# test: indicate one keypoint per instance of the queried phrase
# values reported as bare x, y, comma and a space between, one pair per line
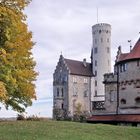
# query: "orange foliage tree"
17, 74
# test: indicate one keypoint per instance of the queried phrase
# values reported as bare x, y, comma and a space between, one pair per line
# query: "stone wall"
79, 89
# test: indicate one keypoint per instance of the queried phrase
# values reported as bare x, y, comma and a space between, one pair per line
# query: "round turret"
101, 56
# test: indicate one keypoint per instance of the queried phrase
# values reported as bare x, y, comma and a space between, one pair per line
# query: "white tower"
100, 57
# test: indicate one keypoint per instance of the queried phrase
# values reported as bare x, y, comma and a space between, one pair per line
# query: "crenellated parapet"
101, 28
110, 78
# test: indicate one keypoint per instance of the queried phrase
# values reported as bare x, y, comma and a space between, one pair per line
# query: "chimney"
84, 62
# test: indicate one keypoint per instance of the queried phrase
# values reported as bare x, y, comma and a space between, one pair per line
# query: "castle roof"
78, 68
134, 53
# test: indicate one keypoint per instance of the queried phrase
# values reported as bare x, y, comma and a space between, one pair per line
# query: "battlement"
110, 78
102, 24
101, 28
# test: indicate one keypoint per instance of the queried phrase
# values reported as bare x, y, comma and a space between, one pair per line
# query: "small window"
74, 80
75, 91
107, 39
95, 41
124, 67
138, 63
57, 92
95, 92
123, 101
62, 91
137, 100
95, 50
108, 50
95, 62
95, 83
95, 73
112, 97
121, 68
108, 62
85, 81
62, 106
85, 93
100, 31
101, 39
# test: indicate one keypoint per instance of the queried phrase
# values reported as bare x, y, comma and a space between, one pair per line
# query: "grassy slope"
51, 130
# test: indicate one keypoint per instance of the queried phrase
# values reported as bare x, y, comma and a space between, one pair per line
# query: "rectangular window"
57, 92
62, 92
75, 91
121, 68
95, 50
62, 106
101, 40
138, 63
85, 93
74, 80
108, 50
95, 62
95, 83
107, 39
85, 81
95, 92
108, 63
112, 97
124, 67
95, 41
95, 73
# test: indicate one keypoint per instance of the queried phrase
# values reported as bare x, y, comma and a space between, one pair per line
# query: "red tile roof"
78, 68
122, 56
117, 118
134, 54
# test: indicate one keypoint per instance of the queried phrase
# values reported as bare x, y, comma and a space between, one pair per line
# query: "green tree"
16, 61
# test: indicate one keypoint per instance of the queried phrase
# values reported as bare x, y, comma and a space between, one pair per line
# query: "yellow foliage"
3, 92
16, 62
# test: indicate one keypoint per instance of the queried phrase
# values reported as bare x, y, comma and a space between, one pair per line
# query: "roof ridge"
76, 60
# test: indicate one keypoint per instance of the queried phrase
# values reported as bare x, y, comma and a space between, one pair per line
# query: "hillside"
52, 130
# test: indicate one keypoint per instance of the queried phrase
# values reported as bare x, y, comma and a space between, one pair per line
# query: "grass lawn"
52, 130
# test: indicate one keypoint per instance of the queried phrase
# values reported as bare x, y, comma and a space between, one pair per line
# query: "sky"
64, 26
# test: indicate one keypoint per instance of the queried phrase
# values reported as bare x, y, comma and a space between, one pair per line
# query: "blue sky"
65, 26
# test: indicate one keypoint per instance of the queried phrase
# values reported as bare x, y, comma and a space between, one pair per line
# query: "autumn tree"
17, 75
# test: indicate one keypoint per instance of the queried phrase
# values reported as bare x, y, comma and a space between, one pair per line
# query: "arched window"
123, 101
137, 100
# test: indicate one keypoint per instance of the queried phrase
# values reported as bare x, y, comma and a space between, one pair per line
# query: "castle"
92, 85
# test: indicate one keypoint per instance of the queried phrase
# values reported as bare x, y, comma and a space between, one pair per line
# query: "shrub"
33, 118
21, 117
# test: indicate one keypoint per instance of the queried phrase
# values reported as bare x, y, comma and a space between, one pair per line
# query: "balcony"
98, 105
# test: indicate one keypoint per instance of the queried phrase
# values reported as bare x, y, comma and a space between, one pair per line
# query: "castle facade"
92, 85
